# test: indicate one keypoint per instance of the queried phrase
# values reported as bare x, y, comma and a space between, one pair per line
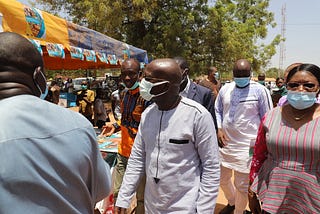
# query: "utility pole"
282, 43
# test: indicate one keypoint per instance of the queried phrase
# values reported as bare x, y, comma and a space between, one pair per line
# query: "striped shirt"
132, 106
285, 167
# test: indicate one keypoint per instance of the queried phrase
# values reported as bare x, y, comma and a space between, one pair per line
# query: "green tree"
216, 35
237, 27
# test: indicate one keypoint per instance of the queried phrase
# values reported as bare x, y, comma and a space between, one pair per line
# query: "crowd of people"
180, 141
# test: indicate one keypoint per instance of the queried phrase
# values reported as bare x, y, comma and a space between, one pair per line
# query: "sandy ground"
221, 202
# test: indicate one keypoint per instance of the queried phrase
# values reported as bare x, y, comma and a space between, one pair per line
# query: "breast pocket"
176, 141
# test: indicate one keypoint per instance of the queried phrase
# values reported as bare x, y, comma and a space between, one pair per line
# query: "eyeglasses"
131, 75
306, 86
154, 80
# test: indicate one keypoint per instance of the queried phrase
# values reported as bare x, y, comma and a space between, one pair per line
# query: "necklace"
297, 118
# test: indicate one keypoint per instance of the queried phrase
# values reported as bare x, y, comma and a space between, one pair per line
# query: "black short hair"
313, 69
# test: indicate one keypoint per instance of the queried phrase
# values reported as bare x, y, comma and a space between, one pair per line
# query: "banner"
65, 45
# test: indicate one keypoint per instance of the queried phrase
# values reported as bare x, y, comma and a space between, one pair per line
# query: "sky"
302, 31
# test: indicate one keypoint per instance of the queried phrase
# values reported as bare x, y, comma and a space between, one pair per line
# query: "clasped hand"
222, 138
254, 203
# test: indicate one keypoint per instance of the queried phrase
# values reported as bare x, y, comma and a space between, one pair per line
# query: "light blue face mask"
135, 85
242, 81
43, 95
301, 99
216, 75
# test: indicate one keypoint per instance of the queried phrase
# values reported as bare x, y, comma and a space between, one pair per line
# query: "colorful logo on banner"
90, 55
36, 26
126, 51
102, 57
76, 53
55, 50
37, 44
112, 59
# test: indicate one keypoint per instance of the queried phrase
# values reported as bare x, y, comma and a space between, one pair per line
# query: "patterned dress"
285, 169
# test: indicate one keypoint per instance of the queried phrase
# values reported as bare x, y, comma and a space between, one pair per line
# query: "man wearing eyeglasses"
132, 106
85, 100
240, 106
175, 147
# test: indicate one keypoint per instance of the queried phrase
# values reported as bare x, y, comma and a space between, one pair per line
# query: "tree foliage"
205, 35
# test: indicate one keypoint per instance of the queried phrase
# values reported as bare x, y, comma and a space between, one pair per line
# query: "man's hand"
222, 138
120, 210
108, 129
254, 203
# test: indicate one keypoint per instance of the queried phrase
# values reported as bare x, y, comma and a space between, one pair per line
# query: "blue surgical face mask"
301, 99
135, 85
43, 95
84, 87
241, 81
146, 86
216, 75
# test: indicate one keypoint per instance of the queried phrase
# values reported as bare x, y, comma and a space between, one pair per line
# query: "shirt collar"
186, 89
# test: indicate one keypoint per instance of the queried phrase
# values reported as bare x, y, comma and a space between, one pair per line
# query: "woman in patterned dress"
285, 169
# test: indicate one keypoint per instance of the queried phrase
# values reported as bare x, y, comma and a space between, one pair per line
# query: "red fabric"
260, 151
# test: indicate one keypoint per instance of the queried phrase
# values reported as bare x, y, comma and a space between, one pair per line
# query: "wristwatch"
116, 125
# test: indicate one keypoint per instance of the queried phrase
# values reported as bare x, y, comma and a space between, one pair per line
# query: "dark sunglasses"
129, 74
307, 86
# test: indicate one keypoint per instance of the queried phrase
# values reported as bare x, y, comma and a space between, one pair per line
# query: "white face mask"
146, 86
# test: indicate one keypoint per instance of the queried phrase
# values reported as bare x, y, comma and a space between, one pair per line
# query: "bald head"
242, 68
21, 67
182, 62
18, 53
132, 63
166, 69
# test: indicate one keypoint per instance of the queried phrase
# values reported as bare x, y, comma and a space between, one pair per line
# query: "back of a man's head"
21, 67
182, 62
18, 53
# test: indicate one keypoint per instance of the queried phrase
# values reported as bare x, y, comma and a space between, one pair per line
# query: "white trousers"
236, 193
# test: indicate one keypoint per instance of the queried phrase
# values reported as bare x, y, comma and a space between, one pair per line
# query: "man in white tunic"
176, 147
240, 107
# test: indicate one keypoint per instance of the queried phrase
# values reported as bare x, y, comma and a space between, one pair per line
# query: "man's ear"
186, 71
40, 79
